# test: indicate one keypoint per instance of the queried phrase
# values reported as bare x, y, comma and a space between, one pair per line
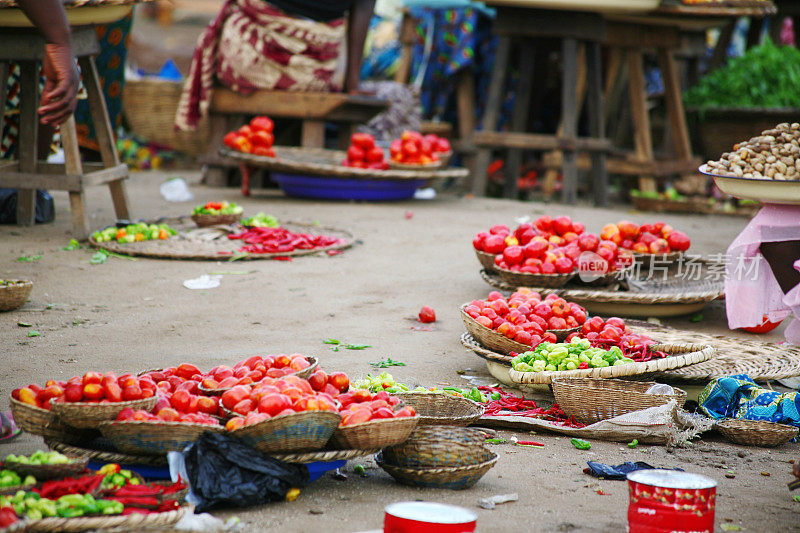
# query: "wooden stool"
228, 109
529, 27
26, 47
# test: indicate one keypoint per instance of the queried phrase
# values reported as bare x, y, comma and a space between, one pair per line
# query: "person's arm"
357, 26
60, 94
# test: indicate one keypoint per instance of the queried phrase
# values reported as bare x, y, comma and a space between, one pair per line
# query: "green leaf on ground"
28, 258
33, 333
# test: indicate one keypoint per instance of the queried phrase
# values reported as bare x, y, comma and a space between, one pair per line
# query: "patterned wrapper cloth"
253, 45
739, 397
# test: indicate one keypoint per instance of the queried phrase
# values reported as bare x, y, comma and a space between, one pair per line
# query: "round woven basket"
442, 409
20, 525
375, 433
38, 421
456, 478
608, 278
131, 522
657, 260
487, 260
490, 338
438, 446
422, 167
524, 279
153, 437
756, 432
298, 432
43, 472
590, 400
104, 456
90, 415
14, 295
323, 455
205, 220
445, 158
679, 355
305, 374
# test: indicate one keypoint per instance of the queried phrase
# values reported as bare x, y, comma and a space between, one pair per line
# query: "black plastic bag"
223, 470
618, 472
45, 209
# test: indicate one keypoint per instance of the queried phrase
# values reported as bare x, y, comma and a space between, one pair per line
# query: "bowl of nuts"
766, 168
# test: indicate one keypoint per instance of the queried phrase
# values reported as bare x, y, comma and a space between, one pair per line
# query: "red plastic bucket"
425, 517
667, 501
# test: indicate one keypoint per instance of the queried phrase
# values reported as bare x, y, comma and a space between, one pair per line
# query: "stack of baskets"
442, 409
440, 457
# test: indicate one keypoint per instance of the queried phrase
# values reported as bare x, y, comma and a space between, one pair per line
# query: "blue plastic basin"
326, 188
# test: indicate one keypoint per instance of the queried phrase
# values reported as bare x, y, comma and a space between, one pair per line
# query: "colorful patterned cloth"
253, 45
739, 397
449, 40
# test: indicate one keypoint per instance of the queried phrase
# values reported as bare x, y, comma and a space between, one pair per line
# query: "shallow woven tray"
523, 279
491, 339
13, 296
205, 220
756, 432
149, 437
657, 259
323, 455
129, 522
212, 244
35, 420
394, 165
442, 409
438, 446
468, 341
321, 162
486, 260
43, 472
105, 456
19, 525
375, 433
90, 415
590, 400
305, 374
684, 355
456, 478
298, 432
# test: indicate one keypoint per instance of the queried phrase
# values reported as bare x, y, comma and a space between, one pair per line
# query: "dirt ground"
134, 315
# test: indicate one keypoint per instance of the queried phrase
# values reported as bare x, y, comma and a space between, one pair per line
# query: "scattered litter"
409, 215
617, 472
337, 344
729, 475
697, 318
730, 527
601, 492
24, 324
101, 256
766, 474
359, 469
73, 245
387, 363
796, 497
316, 511
529, 443
428, 193
423, 328
205, 523
496, 441
203, 282
581, 444
33, 333
338, 474
28, 258
176, 190
497, 499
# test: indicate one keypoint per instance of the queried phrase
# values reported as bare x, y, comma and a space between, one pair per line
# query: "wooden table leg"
246, 171
594, 82
73, 165
465, 109
4, 69
640, 117
569, 118
491, 113
313, 134
105, 134
28, 142
519, 120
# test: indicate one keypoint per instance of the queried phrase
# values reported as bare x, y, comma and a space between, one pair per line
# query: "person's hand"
60, 95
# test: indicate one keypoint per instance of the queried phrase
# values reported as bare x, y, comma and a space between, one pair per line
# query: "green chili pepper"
581, 444
633, 443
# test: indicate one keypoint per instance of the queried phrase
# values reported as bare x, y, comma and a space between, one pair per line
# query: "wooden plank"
106, 175
491, 112
519, 118
633, 35
306, 105
631, 166
15, 180
596, 123
539, 142
28, 140
72, 165
569, 118
407, 36
523, 22
313, 135
27, 44
643, 140
465, 103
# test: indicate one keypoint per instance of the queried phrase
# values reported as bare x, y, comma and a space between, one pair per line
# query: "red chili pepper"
529, 443
136, 501
138, 490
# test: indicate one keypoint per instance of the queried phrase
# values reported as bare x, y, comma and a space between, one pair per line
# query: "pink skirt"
751, 290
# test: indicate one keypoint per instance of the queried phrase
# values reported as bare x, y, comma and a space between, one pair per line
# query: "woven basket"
660, 261
680, 355
306, 431
104, 456
153, 437
15, 295
375, 433
756, 432
43, 472
38, 421
442, 409
7, 491
131, 522
524, 279
593, 399
456, 478
203, 220
305, 374
89, 415
486, 260
415, 167
438, 446
149, 107
490, 338
324, 456
20, 525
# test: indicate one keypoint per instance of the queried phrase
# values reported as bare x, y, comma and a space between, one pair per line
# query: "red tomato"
263, 138
427, 315
765, 327
374, 155
262, 124
356, 153
246, 131
113, 392
365, 141
230, 139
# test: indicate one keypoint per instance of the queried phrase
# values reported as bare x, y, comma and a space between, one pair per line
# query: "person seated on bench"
292, 45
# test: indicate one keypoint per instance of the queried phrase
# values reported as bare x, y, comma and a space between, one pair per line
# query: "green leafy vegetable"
337, 344
22, 324
581, 444
73, 245
633, 444
33, 333
387, 363
28, 258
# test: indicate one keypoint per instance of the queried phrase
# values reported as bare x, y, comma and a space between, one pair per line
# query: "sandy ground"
131, 316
